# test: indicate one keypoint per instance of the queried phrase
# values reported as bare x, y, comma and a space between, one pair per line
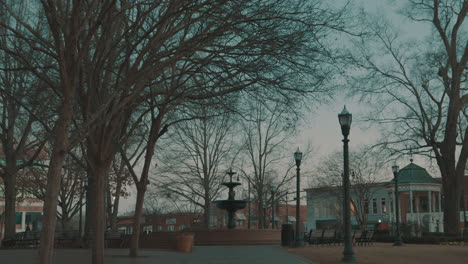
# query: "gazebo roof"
414, 174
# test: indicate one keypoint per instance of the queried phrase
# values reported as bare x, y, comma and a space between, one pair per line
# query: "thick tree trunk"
451, 206
260, 214
134, 245
10, 203
54, 178
98, 216
65, 222
90, 197
452, 187
207, 213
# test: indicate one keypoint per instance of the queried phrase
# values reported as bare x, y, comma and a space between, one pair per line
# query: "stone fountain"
231, 205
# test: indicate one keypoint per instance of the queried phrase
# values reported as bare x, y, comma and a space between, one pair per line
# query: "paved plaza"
200, 255
385, 253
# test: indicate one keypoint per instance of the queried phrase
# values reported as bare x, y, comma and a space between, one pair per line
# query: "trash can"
287, 235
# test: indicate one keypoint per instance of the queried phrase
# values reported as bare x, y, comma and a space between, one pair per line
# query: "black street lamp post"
248, 221
398, 241
345, 119
273, 190
298, 158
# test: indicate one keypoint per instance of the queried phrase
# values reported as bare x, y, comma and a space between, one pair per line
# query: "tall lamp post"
249, 222
298, 158
398, 241
345, 119
273, 190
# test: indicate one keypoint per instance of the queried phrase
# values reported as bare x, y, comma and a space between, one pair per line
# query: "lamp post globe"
298, 158
345, 118
398, 241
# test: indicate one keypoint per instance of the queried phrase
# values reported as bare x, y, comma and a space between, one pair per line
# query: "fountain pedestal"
231, 205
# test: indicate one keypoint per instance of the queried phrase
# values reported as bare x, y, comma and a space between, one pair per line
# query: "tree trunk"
207, 213
260, 214
90, 197
134, 245
452, 186
65, 222
10, 203
451, 206
98, 215
59, 151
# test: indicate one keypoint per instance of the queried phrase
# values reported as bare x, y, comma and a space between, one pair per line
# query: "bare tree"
266, 131
21, 103
73, 174
106, 58
194, 161
118, 182
421, 91
366, 167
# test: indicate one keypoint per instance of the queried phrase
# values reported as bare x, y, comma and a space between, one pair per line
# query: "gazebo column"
411, 201
411, 205
440, 203
429, 193
430, 211
416, 203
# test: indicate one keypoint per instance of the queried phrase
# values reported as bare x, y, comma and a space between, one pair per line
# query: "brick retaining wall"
167, 240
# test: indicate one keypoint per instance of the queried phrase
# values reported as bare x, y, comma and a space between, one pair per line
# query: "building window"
147, 229
170, 221
213, 220
181, 227
366, 206
239, 223
170, 228
129, 230
316, 209
18, 217
383, 206
159, 228
374, 206
332, 208
324, 208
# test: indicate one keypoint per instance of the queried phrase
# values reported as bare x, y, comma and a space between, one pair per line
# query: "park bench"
116, 236
338, 239
315, 237
358, 236
368, 238
22, 240
328, 237
67, 238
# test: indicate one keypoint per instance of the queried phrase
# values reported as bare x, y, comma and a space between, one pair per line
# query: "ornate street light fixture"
345, 119
298, 158
398, 241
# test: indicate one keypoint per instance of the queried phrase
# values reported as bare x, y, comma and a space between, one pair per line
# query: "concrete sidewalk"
200, 255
